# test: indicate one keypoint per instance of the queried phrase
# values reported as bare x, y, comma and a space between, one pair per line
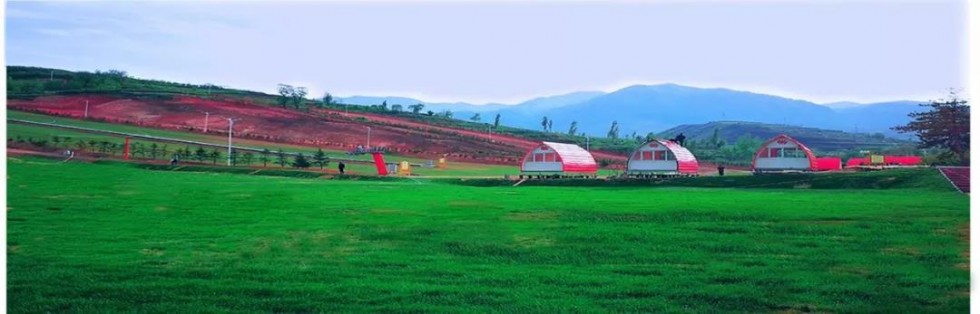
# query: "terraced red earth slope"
958, 176
321, 128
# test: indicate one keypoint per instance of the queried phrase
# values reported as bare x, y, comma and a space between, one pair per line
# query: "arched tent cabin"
783, 153
661, 157
558, 159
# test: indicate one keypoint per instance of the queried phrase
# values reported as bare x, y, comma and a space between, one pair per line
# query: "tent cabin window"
653, 155
782, 153
793, 153
774, 152
543, 157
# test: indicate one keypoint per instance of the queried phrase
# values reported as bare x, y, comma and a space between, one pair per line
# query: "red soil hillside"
321, 128
524, 144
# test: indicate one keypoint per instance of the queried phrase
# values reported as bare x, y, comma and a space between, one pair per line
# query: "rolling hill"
819, 139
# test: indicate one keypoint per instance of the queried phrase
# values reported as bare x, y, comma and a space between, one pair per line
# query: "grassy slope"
211, 139
37, 132
116, 238
820, 139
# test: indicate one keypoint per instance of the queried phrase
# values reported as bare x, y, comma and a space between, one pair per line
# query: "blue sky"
508, 52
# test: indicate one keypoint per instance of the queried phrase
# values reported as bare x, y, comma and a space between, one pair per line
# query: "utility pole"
586, 143
489, 134
86, 110
206, 114
230, 124
369, 138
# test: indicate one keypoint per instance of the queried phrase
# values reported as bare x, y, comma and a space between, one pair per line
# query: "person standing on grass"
341, 166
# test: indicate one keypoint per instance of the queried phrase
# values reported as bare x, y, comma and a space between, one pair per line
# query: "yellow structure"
404, 169
877, 159
441, 164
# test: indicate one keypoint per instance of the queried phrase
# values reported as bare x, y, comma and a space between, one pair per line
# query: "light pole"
586, 143
369, 138
206, 114
489, 135
86, 110
230, 124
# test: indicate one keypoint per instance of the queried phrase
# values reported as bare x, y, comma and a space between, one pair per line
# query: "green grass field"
113, 238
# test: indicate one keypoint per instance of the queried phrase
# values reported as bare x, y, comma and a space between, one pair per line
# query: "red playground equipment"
379, 163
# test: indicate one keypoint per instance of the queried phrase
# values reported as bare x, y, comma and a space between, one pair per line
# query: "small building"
558, 159
661, 157
880, 160
828, 163
783, 153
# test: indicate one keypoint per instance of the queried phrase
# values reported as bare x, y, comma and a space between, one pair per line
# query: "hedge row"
886, 179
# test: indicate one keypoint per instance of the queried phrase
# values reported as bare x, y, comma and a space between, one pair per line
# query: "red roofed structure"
558, 158
661, 157
783, 153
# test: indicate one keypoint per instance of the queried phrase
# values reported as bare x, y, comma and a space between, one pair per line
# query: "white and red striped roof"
686, 162
783, 139
572, 157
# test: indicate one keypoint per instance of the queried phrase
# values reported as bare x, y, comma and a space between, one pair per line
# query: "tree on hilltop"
946, 125
416, 108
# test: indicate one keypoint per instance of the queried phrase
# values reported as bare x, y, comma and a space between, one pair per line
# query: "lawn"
111, 238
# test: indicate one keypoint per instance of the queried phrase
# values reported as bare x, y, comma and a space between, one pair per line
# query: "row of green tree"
155, 151
27, 82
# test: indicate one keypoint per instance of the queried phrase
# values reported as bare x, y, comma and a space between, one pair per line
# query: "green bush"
886, 179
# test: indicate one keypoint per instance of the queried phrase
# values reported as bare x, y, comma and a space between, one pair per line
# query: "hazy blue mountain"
528, 114
842, 104
458, 108
878, 117
542, 104
654, 108
371, 100
643, 108
521, 114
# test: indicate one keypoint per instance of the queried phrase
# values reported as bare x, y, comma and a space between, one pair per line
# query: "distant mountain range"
655, 108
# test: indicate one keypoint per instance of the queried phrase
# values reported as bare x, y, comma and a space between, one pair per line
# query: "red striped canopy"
572, 157
686, 163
